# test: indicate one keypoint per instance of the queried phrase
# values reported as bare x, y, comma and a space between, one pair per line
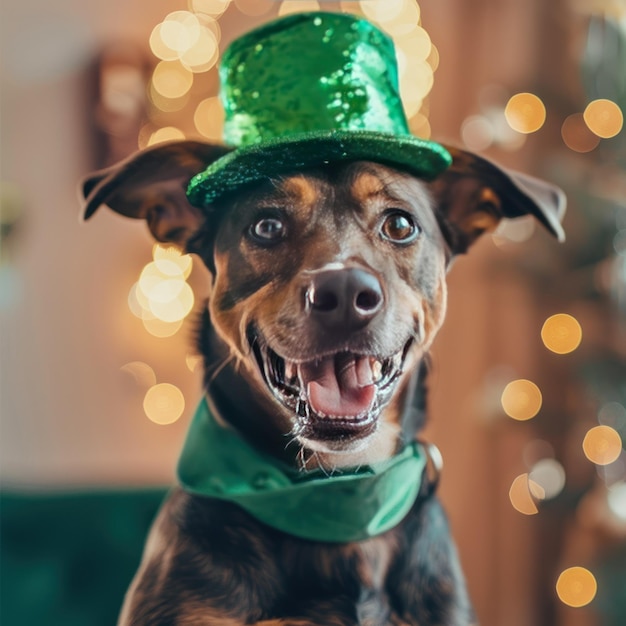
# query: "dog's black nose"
348, 298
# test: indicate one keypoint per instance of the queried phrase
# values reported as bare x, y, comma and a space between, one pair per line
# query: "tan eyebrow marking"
303, 189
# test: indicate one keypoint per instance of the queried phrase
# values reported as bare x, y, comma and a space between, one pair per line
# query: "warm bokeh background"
526, 502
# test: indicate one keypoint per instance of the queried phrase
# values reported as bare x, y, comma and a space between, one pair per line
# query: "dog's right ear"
151, 185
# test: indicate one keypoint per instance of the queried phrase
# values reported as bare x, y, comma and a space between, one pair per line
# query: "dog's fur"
209, 562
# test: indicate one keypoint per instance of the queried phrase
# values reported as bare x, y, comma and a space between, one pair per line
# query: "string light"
561, 333
164, 403
602, 445
576, 586
604, 118
521, 399
525, 113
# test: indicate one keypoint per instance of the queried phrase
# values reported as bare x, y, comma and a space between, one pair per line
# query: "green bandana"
347, 506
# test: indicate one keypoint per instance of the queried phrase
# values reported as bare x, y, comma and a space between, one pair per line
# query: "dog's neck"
257, 419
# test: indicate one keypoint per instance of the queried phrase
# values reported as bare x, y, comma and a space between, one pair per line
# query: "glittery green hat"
310, 89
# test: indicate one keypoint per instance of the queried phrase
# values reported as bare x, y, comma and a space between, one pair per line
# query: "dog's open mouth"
334, 396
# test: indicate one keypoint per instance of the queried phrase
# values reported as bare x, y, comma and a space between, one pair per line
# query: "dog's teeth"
291, 370
377, 368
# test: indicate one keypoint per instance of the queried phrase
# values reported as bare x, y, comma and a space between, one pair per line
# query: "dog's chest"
365, 564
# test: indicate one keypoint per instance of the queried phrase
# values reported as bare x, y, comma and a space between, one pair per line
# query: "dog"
327, 288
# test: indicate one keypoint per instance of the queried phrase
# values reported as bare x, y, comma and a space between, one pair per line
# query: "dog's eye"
399, 227
268, 230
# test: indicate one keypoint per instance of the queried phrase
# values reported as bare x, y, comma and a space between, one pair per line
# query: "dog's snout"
347, 298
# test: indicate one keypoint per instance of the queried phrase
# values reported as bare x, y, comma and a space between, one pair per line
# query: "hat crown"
310, 72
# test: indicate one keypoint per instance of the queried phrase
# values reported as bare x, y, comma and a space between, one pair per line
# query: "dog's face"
328, 286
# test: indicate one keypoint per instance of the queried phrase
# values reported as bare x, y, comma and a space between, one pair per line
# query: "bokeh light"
193, 362
576, 586
612, 414
433, 57
158, 46
406, 22
576, 134
255, 7
161, 298
185, 38
616, 499
180, 30
523, 495
297, 6
604, 118
214, 8
171, 261
477, 133
549, 474
602, 445
176, 308
382, 11
161, 329
561, 333
141, 372
209, 118
537, 450
513, 231
521, 399
166, 105
203, 54
525, 113
171, 79
167, 133
420, 126
164, 403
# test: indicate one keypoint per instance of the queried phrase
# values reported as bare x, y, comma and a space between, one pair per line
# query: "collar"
349, 505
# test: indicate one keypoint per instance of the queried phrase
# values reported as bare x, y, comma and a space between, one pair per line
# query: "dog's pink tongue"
339, 386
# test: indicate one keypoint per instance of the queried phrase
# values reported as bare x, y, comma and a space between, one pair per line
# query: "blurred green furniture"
67, 558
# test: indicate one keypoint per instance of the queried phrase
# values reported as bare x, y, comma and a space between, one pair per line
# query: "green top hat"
310, 89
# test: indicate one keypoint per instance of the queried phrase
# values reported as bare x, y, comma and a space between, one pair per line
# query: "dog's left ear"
151, 185
473, 195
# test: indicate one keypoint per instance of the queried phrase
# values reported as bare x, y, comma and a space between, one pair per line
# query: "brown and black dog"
327, 289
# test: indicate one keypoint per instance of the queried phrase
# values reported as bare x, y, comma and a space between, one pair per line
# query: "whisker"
210, 379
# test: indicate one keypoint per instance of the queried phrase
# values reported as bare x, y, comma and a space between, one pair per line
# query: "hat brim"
243, 166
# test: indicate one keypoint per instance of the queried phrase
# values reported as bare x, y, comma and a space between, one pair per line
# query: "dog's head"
328, 285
